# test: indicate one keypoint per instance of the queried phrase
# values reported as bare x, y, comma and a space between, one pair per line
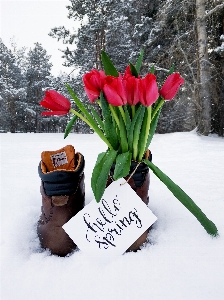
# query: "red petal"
92, 95
148, 90
49, 103
111, 95
57, 100
171, 86
92, 84
54, 113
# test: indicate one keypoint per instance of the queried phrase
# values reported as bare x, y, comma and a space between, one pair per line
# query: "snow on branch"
212, 11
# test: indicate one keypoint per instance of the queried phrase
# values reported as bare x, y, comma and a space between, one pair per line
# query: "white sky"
30, 21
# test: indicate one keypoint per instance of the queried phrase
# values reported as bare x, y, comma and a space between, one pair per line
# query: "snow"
220, 49
180, 261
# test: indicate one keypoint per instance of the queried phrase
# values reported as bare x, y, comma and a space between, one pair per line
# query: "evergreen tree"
38, 80
11, 90
104, 25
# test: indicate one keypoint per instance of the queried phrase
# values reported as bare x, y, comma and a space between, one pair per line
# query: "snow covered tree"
104, 25
169, 36
170, 32
38, 80
163, 31
215, 30
11, 90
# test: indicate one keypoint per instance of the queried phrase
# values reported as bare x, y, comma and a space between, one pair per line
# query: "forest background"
186, 34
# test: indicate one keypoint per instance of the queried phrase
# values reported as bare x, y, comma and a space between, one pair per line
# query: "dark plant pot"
139, 182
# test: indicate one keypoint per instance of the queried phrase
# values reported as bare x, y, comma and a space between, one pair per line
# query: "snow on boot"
63, 196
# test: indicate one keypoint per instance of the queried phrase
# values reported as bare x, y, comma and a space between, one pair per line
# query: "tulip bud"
148, 90
55, 102
171, 86
93, 84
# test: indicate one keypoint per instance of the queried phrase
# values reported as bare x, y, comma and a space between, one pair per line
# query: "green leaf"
89, 119
109, 128
152, 69
131, 131
79, 104
101, 171
153, 128
96, 116
171, 70
142, 136
133, 70
137, 129
122, 166
70, 125
123, 134
109, 68
208, 225
128, 118
139, 61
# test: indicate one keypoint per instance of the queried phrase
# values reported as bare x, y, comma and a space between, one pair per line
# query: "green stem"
133, 111
114, 115
122, 113
137, 130
146, 133
98, 102
160, 103
123, 135
95, 128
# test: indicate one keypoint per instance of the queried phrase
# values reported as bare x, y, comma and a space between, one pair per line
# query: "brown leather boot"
63, 196
139, 182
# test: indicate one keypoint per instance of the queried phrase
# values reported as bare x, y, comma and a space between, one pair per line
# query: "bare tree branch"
212, 11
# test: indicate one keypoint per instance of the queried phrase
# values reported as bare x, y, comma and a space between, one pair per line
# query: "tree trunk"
204, 119
221, 128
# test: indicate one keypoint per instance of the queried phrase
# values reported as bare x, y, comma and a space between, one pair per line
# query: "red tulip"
131, 84
55, 102
148, 90
171, 86
114, 91
93, 84
127, 72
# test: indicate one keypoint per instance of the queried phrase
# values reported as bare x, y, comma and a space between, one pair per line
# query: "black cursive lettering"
107, 208
106, 227
132, 214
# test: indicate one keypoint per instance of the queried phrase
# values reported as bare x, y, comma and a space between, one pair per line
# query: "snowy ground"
181, 261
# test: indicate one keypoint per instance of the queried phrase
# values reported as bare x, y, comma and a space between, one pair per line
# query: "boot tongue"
62, 159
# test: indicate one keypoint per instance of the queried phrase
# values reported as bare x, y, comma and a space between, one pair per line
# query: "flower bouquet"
125, 119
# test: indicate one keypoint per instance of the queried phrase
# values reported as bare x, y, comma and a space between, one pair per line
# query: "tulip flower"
171, 86
127, 72
93, 84
130, 84
55, 102
114, 91
148, 90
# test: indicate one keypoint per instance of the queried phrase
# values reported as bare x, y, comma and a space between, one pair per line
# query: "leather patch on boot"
59, 200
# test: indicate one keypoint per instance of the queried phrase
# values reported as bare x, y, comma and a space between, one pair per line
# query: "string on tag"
131, 174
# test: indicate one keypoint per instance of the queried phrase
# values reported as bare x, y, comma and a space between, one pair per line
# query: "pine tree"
11, 89
38, 80
105, 24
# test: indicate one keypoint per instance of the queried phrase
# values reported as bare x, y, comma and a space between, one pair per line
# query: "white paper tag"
110, 227
59, 159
